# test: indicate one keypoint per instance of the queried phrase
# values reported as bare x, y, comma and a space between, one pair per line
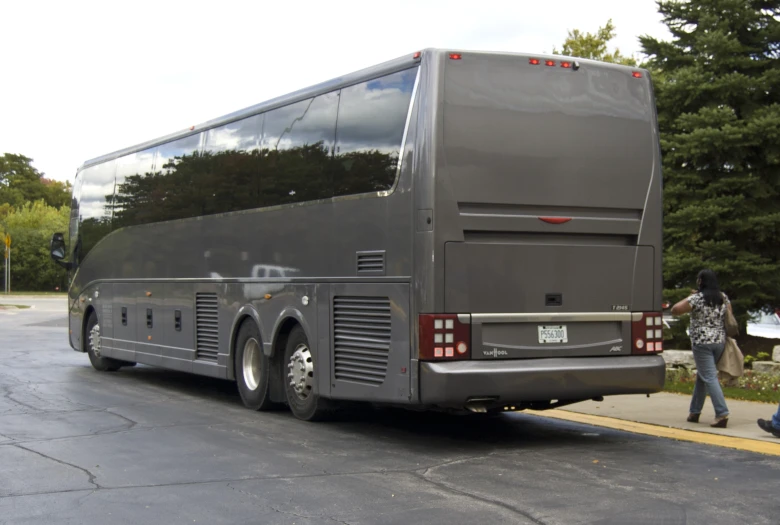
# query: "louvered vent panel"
361, 339
207, 326
371, 262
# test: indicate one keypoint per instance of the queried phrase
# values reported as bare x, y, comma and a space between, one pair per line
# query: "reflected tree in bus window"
297, 147
232, 156
134, 178
371, 122
94, 207
178, 181
162, 184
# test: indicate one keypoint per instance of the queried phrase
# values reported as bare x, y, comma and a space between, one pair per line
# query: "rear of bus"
547, 231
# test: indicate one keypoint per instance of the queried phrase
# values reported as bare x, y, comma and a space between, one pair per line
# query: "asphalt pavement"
152, 446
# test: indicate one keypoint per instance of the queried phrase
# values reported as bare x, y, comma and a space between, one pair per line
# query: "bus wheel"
252, 368
299, 379
93, 344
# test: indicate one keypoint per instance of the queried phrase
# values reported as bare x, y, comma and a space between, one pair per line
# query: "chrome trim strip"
403, 139
572, 317
553, 348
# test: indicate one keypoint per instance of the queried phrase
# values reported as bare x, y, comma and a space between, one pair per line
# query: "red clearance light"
455, 56
555, 220
417, 55
565, 64
636, 74
549, 63
533, 61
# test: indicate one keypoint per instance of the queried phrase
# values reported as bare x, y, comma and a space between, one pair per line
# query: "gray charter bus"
449, 230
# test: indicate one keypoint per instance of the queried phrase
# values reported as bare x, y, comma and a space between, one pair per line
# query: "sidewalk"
670, 410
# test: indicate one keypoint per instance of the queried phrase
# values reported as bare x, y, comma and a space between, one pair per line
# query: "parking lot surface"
146, 445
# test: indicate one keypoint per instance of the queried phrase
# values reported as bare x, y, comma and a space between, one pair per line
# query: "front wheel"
93, 345
299, 376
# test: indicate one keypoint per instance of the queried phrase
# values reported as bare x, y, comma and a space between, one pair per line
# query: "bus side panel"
370, 342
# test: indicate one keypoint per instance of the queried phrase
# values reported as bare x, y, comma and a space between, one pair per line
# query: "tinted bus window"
371, 122
95, 206
73, 229
179, 184
297, 151
134, 177
231, 160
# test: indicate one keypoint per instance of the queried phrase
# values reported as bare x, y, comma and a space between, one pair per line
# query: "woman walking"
707, 307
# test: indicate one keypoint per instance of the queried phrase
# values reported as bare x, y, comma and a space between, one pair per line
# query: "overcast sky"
80, 79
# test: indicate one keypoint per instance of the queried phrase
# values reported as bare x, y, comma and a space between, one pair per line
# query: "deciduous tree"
594, 46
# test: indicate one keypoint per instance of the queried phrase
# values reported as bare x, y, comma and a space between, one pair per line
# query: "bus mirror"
57, 246
57, 250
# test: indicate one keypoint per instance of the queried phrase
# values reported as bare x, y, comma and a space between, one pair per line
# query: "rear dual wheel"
252, 368
253, 374
300, 379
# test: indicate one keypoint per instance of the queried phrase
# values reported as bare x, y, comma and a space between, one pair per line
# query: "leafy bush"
31, 227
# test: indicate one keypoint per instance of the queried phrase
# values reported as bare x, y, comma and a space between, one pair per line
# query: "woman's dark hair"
708, 286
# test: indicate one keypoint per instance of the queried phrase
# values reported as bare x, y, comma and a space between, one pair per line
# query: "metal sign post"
7, 264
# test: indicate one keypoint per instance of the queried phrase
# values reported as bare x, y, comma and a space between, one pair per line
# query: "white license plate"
553, 334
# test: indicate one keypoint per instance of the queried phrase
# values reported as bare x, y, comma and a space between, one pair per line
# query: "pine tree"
717, 88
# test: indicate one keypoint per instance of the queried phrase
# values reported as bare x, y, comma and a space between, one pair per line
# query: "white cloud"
82, 79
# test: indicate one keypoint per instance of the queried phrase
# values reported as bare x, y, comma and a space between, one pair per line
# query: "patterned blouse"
707, 322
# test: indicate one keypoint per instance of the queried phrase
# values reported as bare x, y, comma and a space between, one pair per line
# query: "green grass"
15, 305
53, 294
753, 387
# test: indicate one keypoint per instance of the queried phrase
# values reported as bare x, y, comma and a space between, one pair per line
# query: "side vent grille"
371, 262
207, 326
361, 339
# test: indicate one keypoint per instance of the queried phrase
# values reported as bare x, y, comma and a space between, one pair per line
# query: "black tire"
252, 386
306, 405
102, 364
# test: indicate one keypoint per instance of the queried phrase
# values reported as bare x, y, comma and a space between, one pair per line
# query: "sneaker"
767, 426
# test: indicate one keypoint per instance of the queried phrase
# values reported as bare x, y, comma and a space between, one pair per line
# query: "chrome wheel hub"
301, 373
94, 340
251, 364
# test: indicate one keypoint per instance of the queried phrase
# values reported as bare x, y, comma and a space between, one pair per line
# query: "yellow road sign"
7, 241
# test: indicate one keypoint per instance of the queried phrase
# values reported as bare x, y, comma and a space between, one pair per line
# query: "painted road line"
749, 445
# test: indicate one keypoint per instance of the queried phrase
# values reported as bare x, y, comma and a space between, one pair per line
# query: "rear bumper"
516, 381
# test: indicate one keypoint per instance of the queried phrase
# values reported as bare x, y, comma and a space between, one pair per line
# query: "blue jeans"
776, 419
706, 357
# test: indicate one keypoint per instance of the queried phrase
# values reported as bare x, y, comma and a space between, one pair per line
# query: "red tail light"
443, 337
549, 63
455, 56
647, 334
